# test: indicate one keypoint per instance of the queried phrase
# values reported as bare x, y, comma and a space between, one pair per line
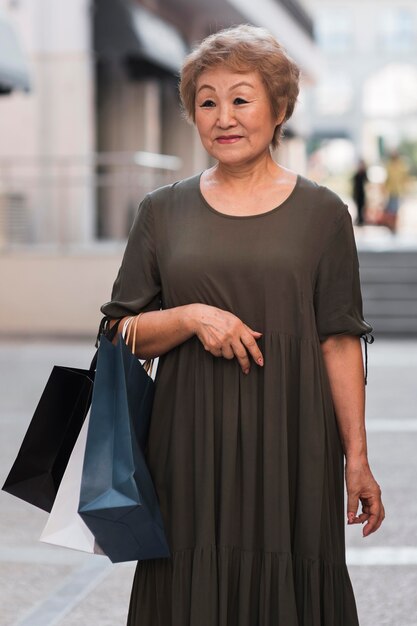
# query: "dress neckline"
253, 215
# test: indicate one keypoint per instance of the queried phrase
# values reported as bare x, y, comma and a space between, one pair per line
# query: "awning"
14, 72
128, 32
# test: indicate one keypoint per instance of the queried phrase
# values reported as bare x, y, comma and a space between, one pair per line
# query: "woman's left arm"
343, 359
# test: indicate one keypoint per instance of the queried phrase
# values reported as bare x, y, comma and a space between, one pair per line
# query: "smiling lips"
225, 139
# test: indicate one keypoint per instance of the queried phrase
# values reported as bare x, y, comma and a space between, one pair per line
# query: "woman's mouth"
225, 139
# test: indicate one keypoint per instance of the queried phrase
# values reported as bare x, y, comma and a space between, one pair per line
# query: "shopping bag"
64, 526
40, 464
118, 501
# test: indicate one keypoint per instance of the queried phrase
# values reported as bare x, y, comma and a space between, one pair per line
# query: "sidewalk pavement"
43, 585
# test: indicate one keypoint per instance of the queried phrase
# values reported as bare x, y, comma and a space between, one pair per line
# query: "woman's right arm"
159, 331
220, 332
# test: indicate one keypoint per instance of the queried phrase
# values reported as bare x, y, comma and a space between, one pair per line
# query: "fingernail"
246, 371
260, 361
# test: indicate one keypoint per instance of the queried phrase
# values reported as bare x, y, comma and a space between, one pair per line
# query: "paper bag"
64, 526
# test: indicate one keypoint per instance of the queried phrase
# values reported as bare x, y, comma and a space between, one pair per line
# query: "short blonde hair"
241, 49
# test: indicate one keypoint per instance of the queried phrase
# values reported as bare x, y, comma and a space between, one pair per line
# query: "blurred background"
90, 121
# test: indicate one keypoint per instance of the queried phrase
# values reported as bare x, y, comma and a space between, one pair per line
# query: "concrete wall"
56, 119
55, 294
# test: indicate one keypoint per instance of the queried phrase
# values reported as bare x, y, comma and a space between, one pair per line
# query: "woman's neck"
249, 175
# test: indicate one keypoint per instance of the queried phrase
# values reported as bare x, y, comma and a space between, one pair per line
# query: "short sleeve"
137, 286
337, 297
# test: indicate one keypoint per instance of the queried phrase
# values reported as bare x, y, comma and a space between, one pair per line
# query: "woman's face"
233, 115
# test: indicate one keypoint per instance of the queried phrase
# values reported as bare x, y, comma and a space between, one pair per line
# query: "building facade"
367, 92
80, 149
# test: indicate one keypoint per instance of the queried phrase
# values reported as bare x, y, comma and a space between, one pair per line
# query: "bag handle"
104, 329
109, 333
126, 333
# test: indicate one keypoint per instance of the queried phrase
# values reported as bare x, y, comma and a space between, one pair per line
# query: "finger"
255, 353
254, 332
242, 357
227, 352
382, 517
364, 516
371, 525
241, 351
352, 507
375, 520
253, 349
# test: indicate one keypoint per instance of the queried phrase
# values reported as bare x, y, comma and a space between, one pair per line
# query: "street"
43, 585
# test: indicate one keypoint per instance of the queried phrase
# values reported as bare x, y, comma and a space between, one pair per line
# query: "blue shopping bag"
118, 501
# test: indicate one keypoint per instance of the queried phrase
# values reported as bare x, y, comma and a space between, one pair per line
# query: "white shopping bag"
64, 526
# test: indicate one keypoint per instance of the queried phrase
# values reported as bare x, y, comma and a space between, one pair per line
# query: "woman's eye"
207, 103
240, 101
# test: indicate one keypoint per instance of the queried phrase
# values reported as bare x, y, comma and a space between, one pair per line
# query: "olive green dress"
248, 469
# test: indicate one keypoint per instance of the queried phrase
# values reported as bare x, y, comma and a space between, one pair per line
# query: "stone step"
387, 308
389, 290
388, 275
388, 259
396, 326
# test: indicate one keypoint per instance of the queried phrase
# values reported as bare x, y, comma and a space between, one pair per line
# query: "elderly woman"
245, 278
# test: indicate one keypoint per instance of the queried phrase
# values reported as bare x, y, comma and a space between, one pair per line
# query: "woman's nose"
226, 116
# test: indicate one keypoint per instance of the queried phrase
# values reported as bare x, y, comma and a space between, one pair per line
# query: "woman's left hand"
363, 488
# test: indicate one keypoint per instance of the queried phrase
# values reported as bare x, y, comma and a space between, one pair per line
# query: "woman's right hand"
223, 334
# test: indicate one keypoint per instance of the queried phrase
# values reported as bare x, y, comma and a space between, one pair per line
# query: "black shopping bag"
118, 501
51, 436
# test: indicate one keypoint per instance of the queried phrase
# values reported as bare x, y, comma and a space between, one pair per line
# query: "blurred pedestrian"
359, 180
394, 187
259, 392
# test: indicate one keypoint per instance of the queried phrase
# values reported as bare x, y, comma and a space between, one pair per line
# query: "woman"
260, 386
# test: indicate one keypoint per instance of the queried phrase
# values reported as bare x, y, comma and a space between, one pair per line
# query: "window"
334, 31
397, 30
